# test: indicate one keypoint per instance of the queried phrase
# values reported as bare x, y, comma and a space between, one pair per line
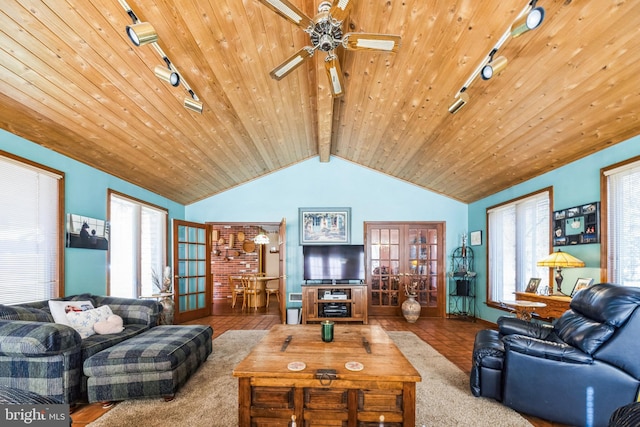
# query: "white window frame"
31, 231
621, 184
518, 237
137, 248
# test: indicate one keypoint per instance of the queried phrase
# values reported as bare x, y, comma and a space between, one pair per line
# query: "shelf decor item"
410, 307
321, 226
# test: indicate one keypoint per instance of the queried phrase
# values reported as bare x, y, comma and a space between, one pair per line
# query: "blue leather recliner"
576, 372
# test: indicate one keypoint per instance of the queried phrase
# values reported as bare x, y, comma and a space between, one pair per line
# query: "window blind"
30, 232
518, 236
138, 247
623, 225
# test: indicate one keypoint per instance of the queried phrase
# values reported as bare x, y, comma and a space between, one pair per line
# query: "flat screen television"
333, 262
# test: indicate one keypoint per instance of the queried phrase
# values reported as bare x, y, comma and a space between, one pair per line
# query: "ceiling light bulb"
494, 67
463, 98
142, 33
530, 21
167, 75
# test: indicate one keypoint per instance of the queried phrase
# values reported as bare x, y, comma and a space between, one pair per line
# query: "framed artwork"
88, 233
475, 238
323, 226
580, 285
577, 226
532, 286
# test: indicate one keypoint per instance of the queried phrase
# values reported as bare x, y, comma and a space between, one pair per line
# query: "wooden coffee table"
269, 392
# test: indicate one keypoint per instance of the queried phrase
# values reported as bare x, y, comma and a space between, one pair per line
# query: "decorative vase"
168, 307
411, 309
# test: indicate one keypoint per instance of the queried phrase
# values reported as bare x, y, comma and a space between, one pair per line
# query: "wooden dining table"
261, 283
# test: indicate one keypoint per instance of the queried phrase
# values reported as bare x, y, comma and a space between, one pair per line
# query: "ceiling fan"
325, 31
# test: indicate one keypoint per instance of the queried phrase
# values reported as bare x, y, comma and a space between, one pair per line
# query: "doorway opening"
237, 251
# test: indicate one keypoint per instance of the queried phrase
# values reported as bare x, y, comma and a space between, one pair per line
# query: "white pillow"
59, 309
83, 321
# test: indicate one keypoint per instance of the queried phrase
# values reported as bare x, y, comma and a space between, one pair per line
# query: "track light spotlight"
530, 21
463, 98
167, 75
142, 33
193, 105
493, 67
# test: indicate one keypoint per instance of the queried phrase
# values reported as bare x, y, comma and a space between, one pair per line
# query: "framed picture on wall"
86, 233
323, 226
475, 238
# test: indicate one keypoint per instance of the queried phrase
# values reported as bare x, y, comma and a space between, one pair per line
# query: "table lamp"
560, 260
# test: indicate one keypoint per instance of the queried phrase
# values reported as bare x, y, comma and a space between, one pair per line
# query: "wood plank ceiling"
74, 83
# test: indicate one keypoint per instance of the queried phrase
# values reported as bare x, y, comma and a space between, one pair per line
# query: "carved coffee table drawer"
325, 398
380, 401
272, 397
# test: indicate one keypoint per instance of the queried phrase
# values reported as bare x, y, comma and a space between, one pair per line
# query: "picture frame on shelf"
532, 286
475, 238
323, 226
581, 283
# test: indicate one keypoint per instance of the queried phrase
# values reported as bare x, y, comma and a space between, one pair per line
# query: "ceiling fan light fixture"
193, 105
494, 67
167, 75
142, 33
528, 22
463, 98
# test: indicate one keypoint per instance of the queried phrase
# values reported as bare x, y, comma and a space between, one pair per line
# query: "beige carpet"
210, 397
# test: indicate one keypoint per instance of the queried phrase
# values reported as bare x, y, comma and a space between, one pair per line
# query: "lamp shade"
560, 259
493, 67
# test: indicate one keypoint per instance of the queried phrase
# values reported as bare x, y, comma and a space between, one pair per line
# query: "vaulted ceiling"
72, 81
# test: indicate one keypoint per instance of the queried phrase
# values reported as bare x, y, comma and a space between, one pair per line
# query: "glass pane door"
384, 267
192, 272
423, 267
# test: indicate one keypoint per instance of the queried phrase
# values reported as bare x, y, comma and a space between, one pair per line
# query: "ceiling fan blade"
332, 65
293, 62
367, 41
340, 9
289, 12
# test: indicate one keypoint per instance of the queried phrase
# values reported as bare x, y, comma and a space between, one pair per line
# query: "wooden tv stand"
325, 302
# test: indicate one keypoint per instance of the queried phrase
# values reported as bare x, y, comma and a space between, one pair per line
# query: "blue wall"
85, 194
575, 184
372, 196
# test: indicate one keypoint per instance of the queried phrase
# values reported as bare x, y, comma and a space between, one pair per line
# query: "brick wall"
236, 258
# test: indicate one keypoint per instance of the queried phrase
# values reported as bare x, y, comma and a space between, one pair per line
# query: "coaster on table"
296, 366
354, 366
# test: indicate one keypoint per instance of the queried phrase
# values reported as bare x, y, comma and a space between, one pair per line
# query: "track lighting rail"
147, 35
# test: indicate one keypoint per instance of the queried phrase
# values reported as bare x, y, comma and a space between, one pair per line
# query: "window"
138, 247
30, 232
518, 236
623, 224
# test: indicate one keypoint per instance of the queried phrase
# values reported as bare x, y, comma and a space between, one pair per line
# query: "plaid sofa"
46, 358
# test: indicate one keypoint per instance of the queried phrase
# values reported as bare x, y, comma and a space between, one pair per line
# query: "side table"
523, 309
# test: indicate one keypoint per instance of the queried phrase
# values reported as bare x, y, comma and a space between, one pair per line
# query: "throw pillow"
112, 325
83, 321
59, 309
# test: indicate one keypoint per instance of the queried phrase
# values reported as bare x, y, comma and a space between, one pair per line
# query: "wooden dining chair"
251, 289
236, 289
272, 288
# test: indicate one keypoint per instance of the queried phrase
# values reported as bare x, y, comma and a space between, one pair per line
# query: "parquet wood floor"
450, 337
